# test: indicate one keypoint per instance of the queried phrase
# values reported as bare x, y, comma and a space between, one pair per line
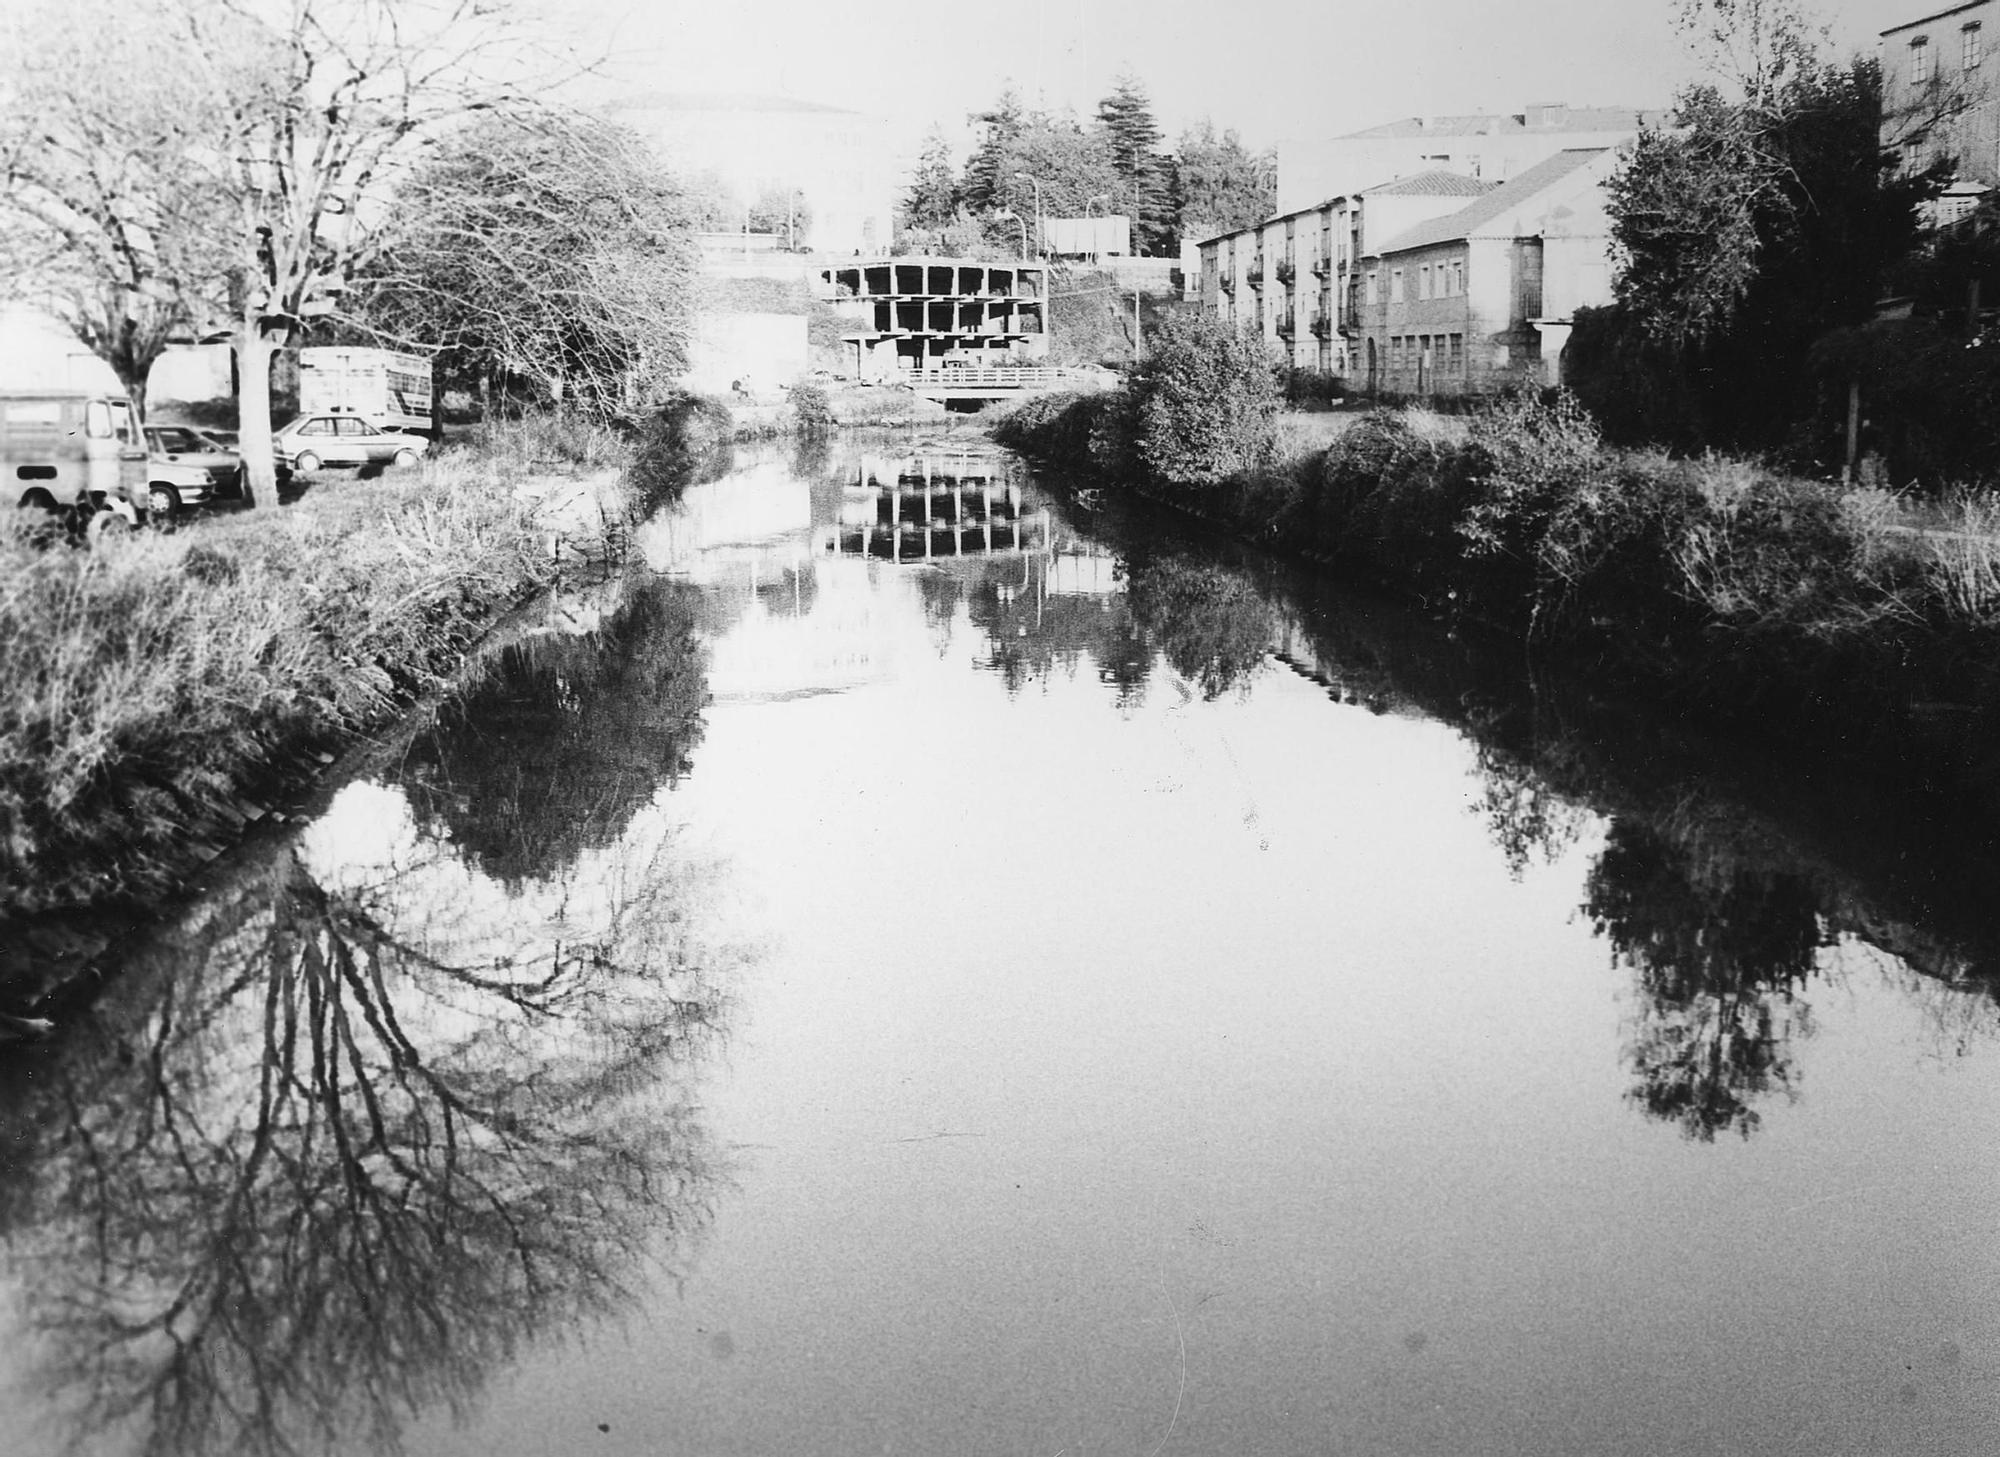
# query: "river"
920, 968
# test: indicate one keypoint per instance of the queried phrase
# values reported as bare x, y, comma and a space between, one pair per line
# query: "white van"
73, 449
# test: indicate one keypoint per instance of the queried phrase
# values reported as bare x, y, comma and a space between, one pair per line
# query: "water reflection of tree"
1030, 633
1526, 816
553, 751
1212, 625
1722, 947
352, 1151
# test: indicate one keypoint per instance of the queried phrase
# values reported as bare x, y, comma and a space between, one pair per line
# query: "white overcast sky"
1269, 68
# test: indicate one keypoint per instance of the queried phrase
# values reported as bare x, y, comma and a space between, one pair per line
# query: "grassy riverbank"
1737, 591
156, 689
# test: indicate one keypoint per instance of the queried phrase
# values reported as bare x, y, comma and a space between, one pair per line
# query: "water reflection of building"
930, 507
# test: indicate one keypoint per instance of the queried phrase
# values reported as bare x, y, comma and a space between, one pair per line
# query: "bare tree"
271, 134
101, 222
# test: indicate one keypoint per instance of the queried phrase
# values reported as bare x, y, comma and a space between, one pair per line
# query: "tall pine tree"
1144, 193
932, 199
986, 172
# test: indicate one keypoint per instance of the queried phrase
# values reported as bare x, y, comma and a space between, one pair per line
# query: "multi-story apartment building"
1293, 277
1491, 147
1486, 296
1941, 97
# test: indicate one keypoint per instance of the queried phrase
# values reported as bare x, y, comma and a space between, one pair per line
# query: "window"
347, 425
1424, 281
1458, 277
1920, 60
1457, 353
1395, 285
1969, 51
1370, 289
97, 420
320, 426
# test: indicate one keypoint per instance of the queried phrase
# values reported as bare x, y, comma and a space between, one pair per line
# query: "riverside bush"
1204, 397
1761, 596
812, 411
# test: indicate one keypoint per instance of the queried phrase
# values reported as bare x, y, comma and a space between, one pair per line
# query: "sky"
1272, 69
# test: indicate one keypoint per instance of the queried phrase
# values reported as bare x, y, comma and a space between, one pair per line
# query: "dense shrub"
1079, 429
812, 411
1391, 491
689, 438
1310, 387
1204, 399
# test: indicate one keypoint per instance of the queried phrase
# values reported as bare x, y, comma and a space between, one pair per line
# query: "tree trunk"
253, 414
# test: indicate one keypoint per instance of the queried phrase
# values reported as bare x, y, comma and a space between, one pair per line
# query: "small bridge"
959, 383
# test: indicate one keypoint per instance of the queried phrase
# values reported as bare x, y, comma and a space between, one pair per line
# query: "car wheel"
304, 461
405, 457
162, 500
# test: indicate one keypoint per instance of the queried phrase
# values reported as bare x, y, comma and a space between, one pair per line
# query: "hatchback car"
312, 441
185, 466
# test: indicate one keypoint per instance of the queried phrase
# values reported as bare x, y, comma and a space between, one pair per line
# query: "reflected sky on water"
944, 980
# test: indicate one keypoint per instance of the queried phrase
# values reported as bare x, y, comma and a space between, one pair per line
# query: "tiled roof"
1569, 119
1432, 184
1467, 221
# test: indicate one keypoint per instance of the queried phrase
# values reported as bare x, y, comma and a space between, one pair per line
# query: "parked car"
185, 467
312, 441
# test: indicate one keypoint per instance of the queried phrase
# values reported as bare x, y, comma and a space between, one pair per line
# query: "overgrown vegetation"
1197, 409
1730, 586
146, 688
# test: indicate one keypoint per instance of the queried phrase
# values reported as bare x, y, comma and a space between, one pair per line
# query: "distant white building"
1492, 147
39, 352
843, 162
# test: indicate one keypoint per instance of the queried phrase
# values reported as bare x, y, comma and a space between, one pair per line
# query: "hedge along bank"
1733, 590
157, 690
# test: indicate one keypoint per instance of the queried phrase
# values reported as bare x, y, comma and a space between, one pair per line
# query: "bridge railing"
1014, 377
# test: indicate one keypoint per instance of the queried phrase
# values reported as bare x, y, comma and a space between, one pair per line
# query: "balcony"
1287, 326
1287, 271
1322, 327
1322, 267
1254, 274
1227, 283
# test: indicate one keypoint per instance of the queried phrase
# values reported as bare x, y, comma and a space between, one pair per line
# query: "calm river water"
916, 973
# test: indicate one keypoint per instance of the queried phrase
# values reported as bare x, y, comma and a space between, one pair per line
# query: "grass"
148, 687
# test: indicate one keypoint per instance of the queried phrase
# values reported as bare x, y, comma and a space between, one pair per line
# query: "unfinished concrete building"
913, 315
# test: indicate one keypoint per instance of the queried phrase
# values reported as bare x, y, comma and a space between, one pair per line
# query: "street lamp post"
1040, 242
